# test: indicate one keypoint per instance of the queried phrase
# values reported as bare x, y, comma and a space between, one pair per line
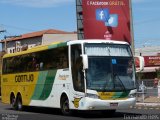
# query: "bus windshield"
111, 68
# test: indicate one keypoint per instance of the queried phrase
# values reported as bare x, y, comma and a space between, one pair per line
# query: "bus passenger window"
37, 67
41, 65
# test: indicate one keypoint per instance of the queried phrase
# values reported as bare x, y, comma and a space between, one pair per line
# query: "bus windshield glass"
111, 67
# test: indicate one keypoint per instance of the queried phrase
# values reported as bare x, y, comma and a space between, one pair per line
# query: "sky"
24, 16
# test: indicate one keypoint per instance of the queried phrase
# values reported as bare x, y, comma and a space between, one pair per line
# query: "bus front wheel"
65, 106
13, 101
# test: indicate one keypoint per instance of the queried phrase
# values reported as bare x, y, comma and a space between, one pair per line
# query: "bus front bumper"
98, 104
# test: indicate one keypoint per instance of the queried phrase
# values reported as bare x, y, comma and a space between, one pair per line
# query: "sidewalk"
150, 101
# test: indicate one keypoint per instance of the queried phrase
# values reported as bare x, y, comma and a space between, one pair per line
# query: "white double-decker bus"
74, 75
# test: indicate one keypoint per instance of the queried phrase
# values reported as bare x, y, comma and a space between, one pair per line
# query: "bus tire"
19, 105
13, 101
65, 106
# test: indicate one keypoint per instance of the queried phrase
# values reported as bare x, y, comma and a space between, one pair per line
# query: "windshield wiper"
120, 81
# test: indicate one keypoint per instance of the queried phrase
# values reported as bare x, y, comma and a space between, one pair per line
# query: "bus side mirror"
85, 61
139, 62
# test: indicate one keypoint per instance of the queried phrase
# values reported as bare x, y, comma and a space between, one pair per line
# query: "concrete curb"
148, 104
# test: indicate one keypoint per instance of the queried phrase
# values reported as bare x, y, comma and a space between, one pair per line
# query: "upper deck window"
107, 50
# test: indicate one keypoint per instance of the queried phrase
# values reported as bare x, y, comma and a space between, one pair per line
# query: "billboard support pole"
131, 25
79, 14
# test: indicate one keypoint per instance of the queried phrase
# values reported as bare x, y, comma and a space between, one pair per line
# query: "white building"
148, 51
30, 40
150, 60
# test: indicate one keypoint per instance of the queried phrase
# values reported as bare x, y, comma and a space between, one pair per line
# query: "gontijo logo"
102, 14
24, 78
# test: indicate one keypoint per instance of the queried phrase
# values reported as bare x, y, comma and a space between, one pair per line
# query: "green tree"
158, 73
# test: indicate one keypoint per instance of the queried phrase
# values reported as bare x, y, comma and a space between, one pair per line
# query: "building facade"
29, 40
148, 51
148, 59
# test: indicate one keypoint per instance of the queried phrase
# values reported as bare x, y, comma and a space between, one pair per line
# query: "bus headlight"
92, 96
133, 95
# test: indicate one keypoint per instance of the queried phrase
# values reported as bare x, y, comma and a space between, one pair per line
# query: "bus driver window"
76, 64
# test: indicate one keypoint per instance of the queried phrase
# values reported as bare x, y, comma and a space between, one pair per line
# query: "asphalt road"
36, 113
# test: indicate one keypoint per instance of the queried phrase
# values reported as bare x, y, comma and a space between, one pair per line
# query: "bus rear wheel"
19, 105
65, 106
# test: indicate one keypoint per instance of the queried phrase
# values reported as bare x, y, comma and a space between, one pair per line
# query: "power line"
1, 31
19, 28
147, 40
14, 36
146, 21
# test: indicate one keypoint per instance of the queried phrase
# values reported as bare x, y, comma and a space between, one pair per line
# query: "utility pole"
2, 31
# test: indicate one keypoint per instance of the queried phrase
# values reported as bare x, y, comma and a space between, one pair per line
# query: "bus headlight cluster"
132, 95
92, 96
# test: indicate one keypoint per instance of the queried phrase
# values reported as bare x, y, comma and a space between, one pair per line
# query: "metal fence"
147, 92
147, 82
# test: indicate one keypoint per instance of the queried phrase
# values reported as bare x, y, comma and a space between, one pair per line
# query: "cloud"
36, 3
137, 1
142, 1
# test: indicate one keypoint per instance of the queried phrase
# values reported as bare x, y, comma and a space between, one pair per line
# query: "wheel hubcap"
13, 102
66, 106
19, 105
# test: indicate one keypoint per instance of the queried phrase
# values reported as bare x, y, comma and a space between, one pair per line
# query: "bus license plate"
113, 104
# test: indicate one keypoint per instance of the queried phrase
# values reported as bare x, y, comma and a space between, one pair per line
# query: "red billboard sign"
107, 19
151, 61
